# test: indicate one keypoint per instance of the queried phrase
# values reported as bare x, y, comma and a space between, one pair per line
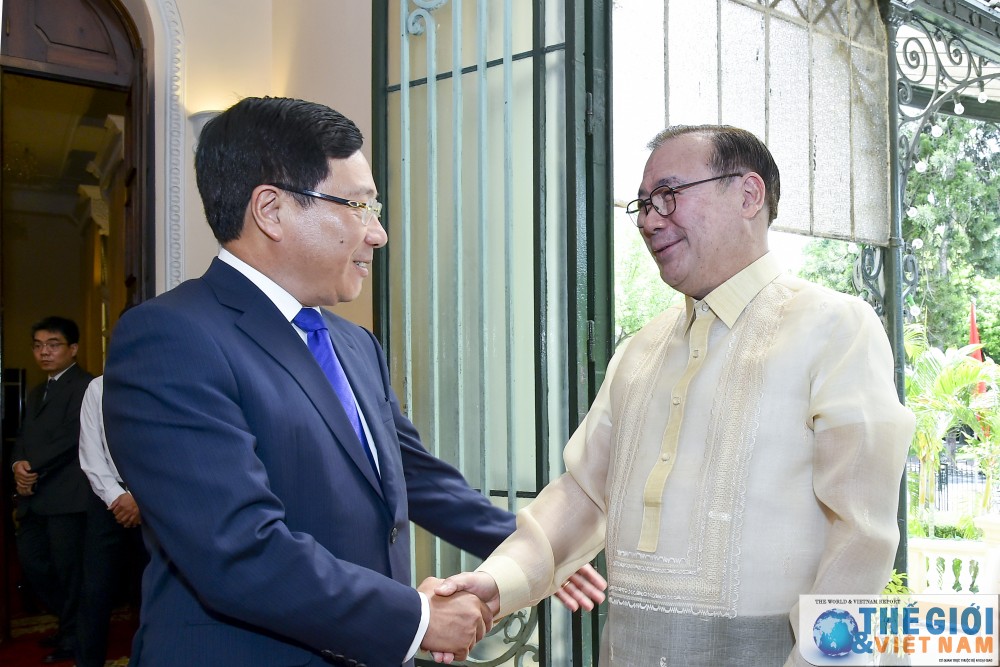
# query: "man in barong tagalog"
744, 448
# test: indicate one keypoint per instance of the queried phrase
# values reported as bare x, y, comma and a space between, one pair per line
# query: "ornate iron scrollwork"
911, 278
508, 643
868, 277
935, 67
940, 67
870, 283
419, 18
514, 634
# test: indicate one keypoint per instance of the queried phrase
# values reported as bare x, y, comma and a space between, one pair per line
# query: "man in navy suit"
276, 509
54, 497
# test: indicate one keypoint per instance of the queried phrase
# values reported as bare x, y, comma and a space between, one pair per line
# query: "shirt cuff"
425, 619
513, 585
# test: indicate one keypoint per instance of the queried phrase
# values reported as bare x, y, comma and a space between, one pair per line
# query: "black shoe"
59, 655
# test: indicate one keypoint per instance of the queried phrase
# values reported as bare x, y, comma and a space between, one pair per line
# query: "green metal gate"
493, 295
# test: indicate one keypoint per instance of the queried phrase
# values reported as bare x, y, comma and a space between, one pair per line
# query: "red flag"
973, 340
974, 333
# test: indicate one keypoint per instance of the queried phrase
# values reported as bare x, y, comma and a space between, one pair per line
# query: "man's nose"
377, 235
653, 221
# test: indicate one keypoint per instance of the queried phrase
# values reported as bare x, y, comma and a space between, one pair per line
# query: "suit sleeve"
19, 451
440, 499
183, 445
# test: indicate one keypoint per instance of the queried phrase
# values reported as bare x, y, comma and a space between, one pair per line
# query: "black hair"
63, 325
266, 140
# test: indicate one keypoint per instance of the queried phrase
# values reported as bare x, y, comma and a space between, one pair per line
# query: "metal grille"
479, 109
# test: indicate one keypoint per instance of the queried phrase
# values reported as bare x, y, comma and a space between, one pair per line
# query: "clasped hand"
584, 589
457, 622
24, 478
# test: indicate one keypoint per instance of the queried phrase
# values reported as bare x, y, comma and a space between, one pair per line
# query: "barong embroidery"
705, 581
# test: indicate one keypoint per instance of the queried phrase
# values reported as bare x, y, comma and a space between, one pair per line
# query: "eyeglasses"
369, 210
50, 345
663, 199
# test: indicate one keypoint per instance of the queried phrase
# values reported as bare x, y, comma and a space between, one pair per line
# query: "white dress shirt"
95, 459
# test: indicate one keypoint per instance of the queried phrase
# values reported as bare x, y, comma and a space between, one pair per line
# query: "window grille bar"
434, 291
496, 62
484, 263
456, 196
404, 211
508, 191
404, 231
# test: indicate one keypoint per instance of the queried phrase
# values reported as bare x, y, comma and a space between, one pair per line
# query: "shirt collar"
285, 302
62, 372
730, 299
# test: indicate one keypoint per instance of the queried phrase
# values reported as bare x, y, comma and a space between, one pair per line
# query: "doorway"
75, 223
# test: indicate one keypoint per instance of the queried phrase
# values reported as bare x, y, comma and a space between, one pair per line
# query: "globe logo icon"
834, 632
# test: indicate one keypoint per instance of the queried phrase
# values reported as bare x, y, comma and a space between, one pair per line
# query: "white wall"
322, 52
226, 50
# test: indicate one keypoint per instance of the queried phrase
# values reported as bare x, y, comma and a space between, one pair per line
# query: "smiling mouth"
666, 246
364, 264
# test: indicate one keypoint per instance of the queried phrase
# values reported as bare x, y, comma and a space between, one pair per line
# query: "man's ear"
264, 210
754, 194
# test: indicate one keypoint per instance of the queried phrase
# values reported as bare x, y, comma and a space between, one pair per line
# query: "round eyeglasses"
369, 210
663, 199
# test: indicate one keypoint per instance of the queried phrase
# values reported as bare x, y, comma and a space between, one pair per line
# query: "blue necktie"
318, 339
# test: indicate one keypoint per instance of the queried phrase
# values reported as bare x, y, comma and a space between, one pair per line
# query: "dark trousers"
103, 572
50, 548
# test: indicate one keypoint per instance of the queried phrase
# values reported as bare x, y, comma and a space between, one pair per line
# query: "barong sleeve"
863, 435
564, 527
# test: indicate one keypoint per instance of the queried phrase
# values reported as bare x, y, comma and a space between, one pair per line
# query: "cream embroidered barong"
742, 450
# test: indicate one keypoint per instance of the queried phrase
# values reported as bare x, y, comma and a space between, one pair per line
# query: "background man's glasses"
369, 210
50, 345
663, 199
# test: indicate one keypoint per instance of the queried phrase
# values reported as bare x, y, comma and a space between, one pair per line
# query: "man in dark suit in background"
53, 493
277, 477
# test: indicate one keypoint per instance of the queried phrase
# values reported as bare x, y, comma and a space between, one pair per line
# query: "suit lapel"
36, 399
264, 323
363, 372
348, 354
52, 392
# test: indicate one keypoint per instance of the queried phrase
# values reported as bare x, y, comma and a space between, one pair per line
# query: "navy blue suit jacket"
272, 542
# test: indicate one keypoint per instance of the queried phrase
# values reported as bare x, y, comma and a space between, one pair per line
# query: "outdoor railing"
962, 566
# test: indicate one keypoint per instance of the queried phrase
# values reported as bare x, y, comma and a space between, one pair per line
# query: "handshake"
462, 608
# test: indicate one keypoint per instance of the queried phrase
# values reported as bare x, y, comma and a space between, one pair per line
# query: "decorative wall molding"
173, 144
